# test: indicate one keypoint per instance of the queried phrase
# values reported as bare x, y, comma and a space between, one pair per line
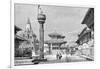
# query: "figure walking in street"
57, 55
60, 56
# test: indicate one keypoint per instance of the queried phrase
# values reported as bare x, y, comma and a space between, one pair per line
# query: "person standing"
57, 55
60, 56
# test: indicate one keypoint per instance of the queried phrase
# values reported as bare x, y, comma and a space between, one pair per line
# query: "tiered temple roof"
55, 38
55, 34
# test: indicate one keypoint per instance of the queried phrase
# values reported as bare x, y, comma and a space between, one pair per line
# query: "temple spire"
28, 25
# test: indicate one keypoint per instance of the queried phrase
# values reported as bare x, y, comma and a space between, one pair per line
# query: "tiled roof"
55, 41
26, 45
19, 37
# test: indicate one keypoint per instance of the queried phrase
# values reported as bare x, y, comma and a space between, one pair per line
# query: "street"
51, 59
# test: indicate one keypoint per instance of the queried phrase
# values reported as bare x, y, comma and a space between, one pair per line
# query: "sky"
65, 20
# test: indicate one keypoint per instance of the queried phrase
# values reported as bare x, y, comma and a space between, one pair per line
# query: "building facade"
30, 46
17, 41
86, 37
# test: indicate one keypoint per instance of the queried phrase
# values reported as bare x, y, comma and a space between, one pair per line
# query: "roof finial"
39, 10
28, 20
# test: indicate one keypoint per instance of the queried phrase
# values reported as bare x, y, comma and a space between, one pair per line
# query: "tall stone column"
41, 19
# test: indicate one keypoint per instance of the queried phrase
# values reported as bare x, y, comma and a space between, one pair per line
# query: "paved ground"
52, 59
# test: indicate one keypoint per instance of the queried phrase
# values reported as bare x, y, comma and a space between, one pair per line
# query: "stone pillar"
41, 44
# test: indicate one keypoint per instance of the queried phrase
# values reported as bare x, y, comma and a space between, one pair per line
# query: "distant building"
56, 43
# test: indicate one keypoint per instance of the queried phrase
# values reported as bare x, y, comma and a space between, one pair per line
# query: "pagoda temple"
56, 43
